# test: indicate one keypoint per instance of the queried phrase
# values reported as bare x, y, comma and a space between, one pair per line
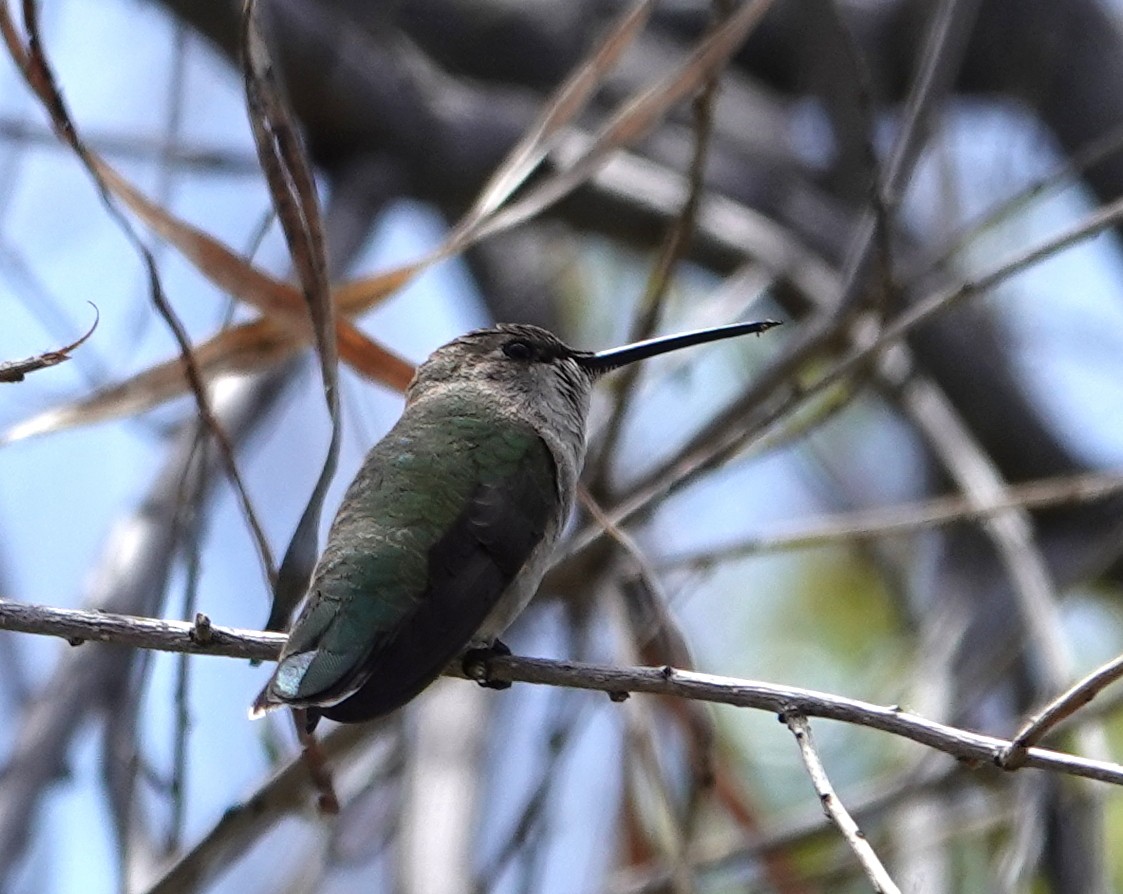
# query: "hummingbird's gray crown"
520, 342
521, 366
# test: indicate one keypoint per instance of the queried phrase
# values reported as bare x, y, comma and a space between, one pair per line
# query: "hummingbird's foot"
476, 665
315, 760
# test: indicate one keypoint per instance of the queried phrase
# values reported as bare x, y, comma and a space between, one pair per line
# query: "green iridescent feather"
427, 537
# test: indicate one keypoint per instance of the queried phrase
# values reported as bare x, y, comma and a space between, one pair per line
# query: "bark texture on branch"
616, 682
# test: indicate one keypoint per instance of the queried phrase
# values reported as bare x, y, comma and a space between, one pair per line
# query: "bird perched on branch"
445, 533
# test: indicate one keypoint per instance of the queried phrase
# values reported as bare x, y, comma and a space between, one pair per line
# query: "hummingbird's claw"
306, 719
476, 665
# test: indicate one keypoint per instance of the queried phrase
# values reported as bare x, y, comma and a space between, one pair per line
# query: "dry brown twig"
16, 370
283, 329
27, 51
292, 188
703, 453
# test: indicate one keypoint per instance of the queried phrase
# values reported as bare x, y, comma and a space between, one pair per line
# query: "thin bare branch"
867, 803
834, 809
1062, 175
292, 188
129, 578
178, 636
674, 247
40, 78
287, 792
559, 110
635, 120
1011, 531
193, 494
946, 39
201, 637
258, 344
15, 370
136, 147
908, 518
1031, 584
1062, 707
712, 446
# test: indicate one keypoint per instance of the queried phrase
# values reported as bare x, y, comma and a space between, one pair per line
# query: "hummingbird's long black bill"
603, 361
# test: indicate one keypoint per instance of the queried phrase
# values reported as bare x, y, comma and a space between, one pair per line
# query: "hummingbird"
446, 531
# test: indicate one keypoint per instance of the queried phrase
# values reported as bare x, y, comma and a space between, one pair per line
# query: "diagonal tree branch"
835, 810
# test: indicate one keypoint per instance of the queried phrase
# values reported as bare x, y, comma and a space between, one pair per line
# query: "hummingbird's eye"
518, 350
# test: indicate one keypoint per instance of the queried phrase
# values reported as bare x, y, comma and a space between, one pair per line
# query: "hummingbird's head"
529, 372
524, 366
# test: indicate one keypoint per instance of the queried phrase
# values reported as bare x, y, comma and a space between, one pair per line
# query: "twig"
834, 808
673, 791
623, 539
676, 243
79, 626
910, 517
670, 823
1063, 706
40, 78
1024, 850
16, 370
192, 496
944, 45
727, 436
632, 121
528, 833
284, 794
945, 42
327, 801
129, 578
292, 189
176, 636
136, 147
868, 802
1061, 176
1011, 531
